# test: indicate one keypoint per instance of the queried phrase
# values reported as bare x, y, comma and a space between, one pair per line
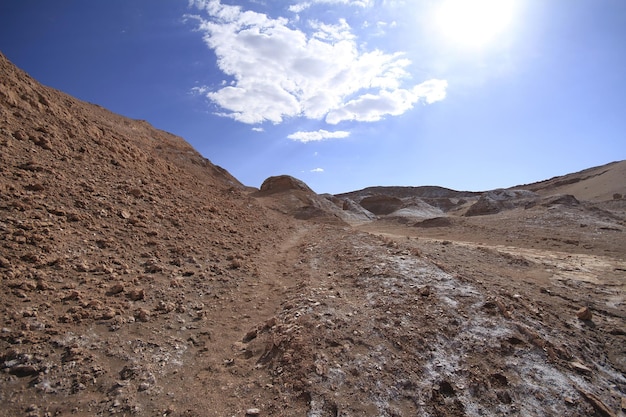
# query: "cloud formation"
319, 135
303, 5
277, 71
373, 107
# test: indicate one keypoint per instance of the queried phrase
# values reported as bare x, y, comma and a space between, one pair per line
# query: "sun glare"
473, 23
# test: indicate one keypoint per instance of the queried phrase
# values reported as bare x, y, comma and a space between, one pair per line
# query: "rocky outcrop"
291, 196
355, 211
435, 222
283, 183
562, 199
495, 201
381, 204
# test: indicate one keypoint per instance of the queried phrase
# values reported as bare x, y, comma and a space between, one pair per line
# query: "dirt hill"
140, 279
125, 255
606, 182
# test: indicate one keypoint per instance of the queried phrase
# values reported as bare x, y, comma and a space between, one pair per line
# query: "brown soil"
139, 279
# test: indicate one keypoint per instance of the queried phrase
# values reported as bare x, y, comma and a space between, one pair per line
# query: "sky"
345, 94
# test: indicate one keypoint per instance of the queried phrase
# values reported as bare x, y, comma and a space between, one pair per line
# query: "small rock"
580, 368
250, 336
270, 323
502, 308
142, 315
20, 135
136, 294
73, 217
166, 306
82, 266
4, 262
72, 295
108, 313
23, 370
504, 396
116, 289
253, 412
35, 187
623, 406
43, 285
124, 214
584, 314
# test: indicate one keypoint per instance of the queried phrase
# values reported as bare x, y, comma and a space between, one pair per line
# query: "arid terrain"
140, 279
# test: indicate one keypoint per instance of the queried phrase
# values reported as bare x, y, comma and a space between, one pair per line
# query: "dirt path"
228, 366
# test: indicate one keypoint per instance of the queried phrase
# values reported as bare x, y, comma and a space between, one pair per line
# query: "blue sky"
345, 94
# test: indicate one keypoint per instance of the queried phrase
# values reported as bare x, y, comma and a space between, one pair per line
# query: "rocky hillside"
603, 183
110, 232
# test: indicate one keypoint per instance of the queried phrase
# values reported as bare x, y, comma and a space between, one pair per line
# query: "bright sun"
473, 23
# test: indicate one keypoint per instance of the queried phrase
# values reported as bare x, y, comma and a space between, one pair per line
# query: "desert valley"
138, 278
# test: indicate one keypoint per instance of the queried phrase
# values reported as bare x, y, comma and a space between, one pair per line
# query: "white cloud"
378, 28
303, 5
319, 135
318, 170
258, 129
277, 71
200, 90
332, 33
372, 108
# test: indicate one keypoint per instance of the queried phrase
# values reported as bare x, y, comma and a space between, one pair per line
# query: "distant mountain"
596, 184
404, 192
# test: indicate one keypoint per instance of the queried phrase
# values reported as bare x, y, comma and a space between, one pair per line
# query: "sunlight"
473, 23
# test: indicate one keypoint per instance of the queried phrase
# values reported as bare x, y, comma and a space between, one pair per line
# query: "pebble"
579, 367
116, 289
253, 412
584, 314
136, 294
142, 315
